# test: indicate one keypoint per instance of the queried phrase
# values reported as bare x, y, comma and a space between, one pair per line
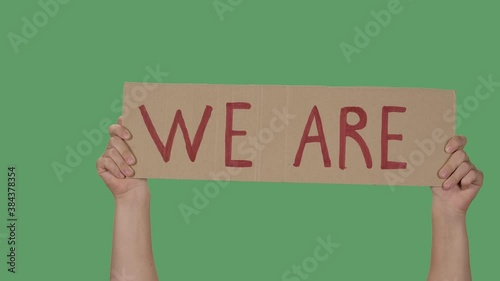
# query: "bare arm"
450, 246
132, 254
450, 249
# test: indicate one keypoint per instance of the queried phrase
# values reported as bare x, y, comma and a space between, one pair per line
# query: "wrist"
448, 213
135, 196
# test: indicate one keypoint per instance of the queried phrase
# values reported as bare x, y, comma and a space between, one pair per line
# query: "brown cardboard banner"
317, 134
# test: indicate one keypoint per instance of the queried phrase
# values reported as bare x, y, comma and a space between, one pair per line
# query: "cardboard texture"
256, 133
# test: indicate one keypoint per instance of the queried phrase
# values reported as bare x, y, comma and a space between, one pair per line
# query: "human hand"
114, 166
462, 181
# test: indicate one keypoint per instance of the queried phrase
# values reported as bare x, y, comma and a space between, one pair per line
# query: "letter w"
191, 147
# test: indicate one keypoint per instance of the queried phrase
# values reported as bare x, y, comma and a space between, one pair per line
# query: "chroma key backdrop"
64, 65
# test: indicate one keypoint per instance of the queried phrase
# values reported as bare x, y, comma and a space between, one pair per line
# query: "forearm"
450, 247
132, 254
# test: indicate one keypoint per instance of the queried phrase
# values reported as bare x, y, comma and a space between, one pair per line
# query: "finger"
119, 161
120, 120
463, 169
119, 130
456, 143
105, 164
474, 177
123, 149
452, 164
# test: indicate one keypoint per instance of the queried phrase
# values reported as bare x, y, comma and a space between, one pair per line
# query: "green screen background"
67, 77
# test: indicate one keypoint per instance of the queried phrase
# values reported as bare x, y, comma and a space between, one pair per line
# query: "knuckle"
474, 174
114, 129
463, 139
111, 128
106, 152
469, 166
449, 168
455, 178
113, 152
462, 156
108, 162
123, 166
127, 154
466, 156
466, 181
114, 139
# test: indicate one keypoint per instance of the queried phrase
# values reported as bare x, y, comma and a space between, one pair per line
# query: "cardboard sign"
345, 135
